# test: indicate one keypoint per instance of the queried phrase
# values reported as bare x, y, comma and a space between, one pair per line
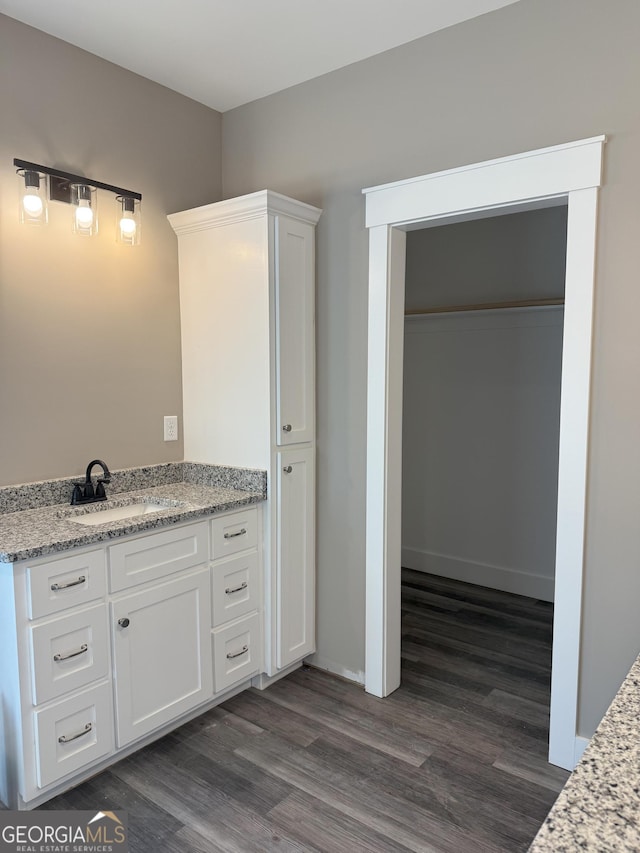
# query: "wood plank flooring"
454, 761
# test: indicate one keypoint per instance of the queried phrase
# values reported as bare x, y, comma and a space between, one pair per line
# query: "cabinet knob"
287, 469
124, 622
286, 428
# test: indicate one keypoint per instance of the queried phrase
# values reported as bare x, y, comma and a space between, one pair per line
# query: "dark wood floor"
454, 761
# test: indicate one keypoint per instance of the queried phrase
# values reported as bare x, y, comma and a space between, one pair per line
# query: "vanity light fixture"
33, 208
80, 192
84, 198
128, 220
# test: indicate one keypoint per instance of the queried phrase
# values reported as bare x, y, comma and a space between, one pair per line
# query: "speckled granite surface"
30, 533
247, 479
48, 492
599, 808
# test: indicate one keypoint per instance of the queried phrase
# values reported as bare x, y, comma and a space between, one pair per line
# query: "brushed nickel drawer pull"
287, 469
243, 651
69, 738
66, 655
286, 428
233, 535
56, 586
229, 591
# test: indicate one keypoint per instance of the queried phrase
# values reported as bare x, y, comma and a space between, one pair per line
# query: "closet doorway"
534, 179
484, 306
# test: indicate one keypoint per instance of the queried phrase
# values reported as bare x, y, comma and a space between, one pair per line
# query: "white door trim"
532, 179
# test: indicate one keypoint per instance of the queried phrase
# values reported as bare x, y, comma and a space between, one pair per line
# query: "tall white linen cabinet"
247, 303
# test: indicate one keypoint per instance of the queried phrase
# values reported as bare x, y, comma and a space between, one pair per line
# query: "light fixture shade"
84, 200
128, 220
33, 208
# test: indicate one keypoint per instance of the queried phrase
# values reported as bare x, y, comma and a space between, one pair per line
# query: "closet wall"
482, 401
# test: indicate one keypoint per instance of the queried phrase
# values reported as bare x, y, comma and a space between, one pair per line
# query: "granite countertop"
43, 530
599, 807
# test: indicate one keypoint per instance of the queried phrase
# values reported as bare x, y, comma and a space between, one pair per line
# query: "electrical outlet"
170, 427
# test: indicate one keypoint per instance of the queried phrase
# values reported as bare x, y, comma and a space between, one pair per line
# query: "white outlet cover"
170, 427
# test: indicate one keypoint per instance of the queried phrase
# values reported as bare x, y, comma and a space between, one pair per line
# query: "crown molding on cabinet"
242, 208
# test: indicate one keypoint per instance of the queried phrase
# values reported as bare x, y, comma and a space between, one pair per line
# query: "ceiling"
225, 53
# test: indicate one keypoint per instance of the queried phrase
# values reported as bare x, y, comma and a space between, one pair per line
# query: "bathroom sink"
119, 513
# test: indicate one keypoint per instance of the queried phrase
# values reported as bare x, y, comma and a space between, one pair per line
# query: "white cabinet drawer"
73, 733
67, 582
237, 652
149, 558
69, 653
235, 589
233, 533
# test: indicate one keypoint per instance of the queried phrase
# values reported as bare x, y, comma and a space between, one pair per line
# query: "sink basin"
118, 513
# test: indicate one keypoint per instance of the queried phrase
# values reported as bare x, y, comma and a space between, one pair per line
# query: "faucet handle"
100, 492
77, 494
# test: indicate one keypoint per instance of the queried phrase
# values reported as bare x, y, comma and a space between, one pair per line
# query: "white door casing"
570, 172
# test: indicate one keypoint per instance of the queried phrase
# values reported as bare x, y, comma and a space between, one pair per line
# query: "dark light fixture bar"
75, 179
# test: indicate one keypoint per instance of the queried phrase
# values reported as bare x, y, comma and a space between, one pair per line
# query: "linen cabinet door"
162, 653
294, 333
295, 549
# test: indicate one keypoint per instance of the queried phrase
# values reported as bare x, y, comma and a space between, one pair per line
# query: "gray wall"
533, 74
501, 258
480, 447
89, 330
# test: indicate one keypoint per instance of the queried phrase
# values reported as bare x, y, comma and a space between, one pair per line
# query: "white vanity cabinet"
247, 303
106, 648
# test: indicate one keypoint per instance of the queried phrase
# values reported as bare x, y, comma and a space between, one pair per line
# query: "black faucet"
84, 493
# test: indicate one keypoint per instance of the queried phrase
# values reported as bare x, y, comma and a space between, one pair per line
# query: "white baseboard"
581, 744
321, 662
263, 681
495, 577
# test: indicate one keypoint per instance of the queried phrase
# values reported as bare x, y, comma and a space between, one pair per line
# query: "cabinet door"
295, 350
162, 653
295, 546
